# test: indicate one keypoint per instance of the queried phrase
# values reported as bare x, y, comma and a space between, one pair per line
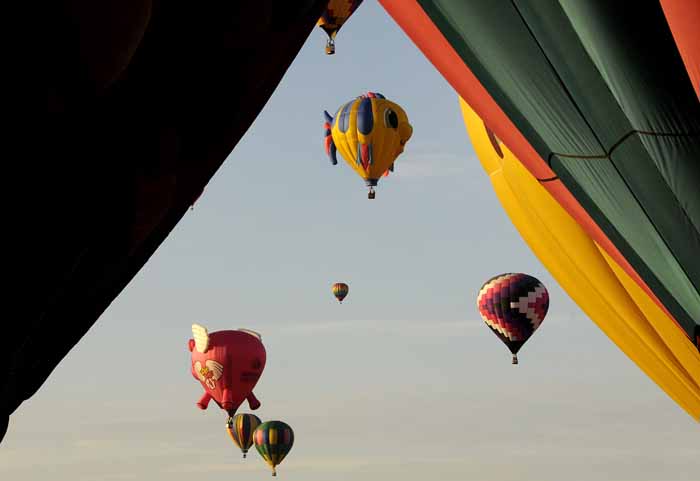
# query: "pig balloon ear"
201, 338
190, 344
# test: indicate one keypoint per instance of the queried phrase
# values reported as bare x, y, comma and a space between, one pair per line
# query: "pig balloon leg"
253, 401
204, 401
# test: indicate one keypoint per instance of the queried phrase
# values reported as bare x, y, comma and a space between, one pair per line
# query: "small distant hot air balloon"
340, 291
241, 428
513, 306
228, 364
334, 16
370, 133
273, 440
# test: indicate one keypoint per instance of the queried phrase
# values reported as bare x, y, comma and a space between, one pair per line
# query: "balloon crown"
372, 95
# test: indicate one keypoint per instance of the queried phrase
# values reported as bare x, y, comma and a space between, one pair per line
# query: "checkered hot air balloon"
273, 440
513, 306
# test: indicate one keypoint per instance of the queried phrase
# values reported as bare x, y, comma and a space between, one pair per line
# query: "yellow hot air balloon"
334, 16
369, 132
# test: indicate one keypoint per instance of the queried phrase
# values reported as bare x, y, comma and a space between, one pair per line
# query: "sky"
403, 381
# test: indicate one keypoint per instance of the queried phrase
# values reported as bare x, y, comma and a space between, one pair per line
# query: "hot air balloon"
606, 121
273, 440
228, 364
336, 14
240, 428
340, 291
513, 306
370, 132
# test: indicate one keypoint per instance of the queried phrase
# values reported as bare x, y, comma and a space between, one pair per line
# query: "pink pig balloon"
228, 364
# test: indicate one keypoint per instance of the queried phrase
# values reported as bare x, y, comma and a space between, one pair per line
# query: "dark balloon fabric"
683, 18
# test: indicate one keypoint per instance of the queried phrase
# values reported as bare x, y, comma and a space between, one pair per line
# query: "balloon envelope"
273, 441
228, 365
240, 428
513, 306
370, 132
340, 291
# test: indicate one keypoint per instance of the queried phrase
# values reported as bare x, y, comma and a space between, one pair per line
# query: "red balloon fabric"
228, 365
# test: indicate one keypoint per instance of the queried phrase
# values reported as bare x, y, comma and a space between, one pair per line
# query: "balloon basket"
515, 359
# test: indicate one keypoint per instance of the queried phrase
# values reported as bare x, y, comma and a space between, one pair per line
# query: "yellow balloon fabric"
602, 289
336, 14
370, 132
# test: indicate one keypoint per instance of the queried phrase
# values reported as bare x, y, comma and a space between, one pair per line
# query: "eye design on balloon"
391, 120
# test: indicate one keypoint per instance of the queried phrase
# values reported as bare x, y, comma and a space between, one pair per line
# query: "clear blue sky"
401, 382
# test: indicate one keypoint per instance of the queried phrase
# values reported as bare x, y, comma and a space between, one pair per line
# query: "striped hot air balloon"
240, 428
513, 306
273, 440
340, 291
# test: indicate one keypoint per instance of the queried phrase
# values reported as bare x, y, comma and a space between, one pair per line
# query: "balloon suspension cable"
515, 359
